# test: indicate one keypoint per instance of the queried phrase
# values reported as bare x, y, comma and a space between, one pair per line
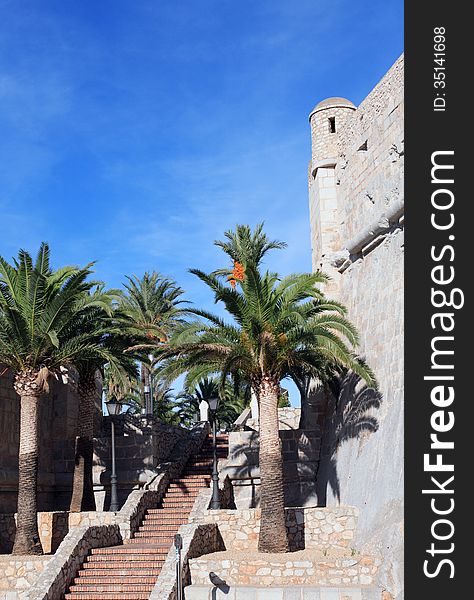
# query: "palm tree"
39, 311
277, 325
149, 310
98, 324
246, 247
165, 406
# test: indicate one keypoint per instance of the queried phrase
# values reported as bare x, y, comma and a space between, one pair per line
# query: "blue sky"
135, 132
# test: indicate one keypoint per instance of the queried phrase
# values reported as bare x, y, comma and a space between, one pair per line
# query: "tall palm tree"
246, 247
39, 311
99, 325
149, 310
277, 325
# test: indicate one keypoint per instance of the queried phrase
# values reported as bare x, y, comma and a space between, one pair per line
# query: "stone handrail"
242, 419
62, 568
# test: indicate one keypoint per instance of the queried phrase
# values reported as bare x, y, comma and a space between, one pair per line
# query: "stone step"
137, 566
150, 525
166, 518
119, 550
113, 587
150, 537
198, 480
121, 561
76, 595
184, 506
177, 491
169, 511
165, 527
111, 579
196, 477
187, 485
178, 505
209, 592
165, 539
178, 496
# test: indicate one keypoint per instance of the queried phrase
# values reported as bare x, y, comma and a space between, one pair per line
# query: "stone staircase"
130, 571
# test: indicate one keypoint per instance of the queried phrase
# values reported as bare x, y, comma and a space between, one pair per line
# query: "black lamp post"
148, 388
215, 502
114, 408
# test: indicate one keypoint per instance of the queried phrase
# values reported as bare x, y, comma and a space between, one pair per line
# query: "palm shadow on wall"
349, 415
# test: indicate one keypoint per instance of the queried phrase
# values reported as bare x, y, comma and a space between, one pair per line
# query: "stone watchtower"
327, 120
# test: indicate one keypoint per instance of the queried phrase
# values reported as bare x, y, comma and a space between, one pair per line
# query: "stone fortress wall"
356, 212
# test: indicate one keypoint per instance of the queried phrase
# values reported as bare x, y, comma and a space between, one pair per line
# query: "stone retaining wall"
284, 570
18, 574
207, 592
57, 422
320, 528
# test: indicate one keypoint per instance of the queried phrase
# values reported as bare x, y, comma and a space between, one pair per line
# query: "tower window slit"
332, 124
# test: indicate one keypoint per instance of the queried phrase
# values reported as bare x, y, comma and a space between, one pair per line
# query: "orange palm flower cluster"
238, 274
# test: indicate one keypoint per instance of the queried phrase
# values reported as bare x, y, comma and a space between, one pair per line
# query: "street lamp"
148, 387
213, 404
114, 408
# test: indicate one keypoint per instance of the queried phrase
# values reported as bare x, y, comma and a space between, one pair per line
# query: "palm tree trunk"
273, 536
82, 486
27, 540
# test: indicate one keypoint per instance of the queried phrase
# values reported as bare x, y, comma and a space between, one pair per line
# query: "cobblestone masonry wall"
288, 570
304, 592
46, 577
321, 528
367, 270
17, 575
